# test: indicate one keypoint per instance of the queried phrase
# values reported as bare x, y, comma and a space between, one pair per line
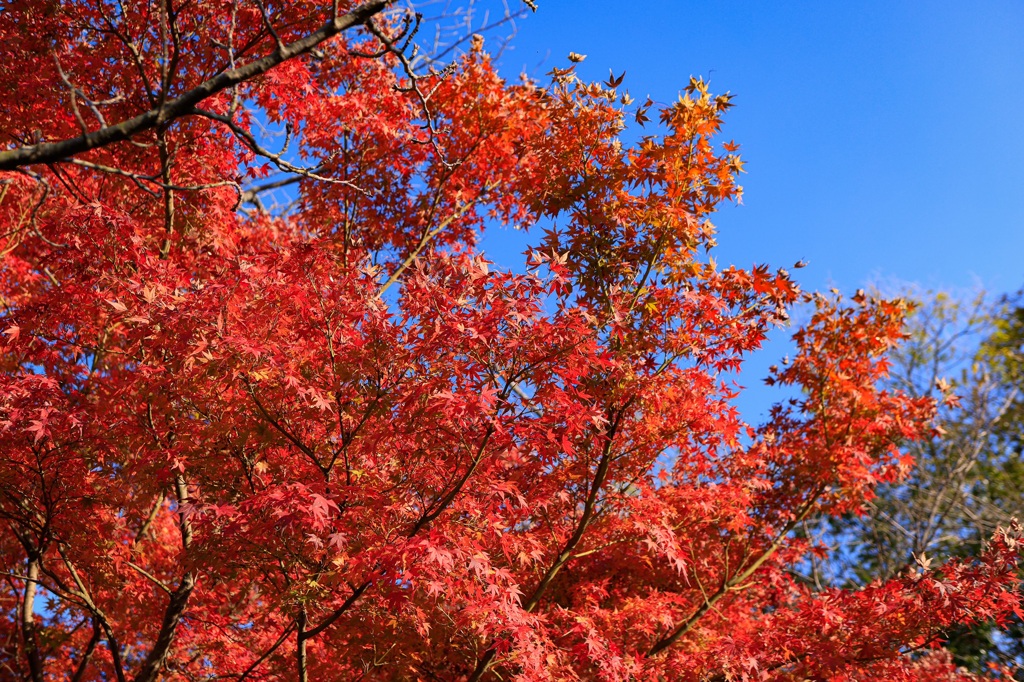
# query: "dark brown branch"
249, 195
424, 521
266, 654
165, 177
50, 152
300, 648
412, 26
168, 628
140, 178
269, 418
358, 592
588, 513
436, 509
157, 657
87, 654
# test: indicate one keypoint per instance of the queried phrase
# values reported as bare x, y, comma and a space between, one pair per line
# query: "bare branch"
250, 141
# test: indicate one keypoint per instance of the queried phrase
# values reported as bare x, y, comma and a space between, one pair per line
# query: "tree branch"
730, 584
485, 662
157, 657
309, 634
50, 152
87, 654
429, 234
28, 623
101, 618
300, 649
266, 654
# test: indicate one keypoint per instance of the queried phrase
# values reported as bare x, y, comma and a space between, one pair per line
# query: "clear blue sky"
884, 140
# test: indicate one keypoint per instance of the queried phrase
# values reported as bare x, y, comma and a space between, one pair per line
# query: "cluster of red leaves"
333, 442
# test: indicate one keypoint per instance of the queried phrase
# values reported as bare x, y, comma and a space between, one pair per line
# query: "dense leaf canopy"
316, 435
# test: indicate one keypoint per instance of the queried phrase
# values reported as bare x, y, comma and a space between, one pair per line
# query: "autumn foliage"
326, 438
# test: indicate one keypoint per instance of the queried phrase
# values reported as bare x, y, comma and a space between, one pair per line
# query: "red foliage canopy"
329, 441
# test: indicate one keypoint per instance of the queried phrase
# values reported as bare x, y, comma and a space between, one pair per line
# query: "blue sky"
884, 140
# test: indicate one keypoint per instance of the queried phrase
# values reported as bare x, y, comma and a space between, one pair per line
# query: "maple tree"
329, 440
968, 474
